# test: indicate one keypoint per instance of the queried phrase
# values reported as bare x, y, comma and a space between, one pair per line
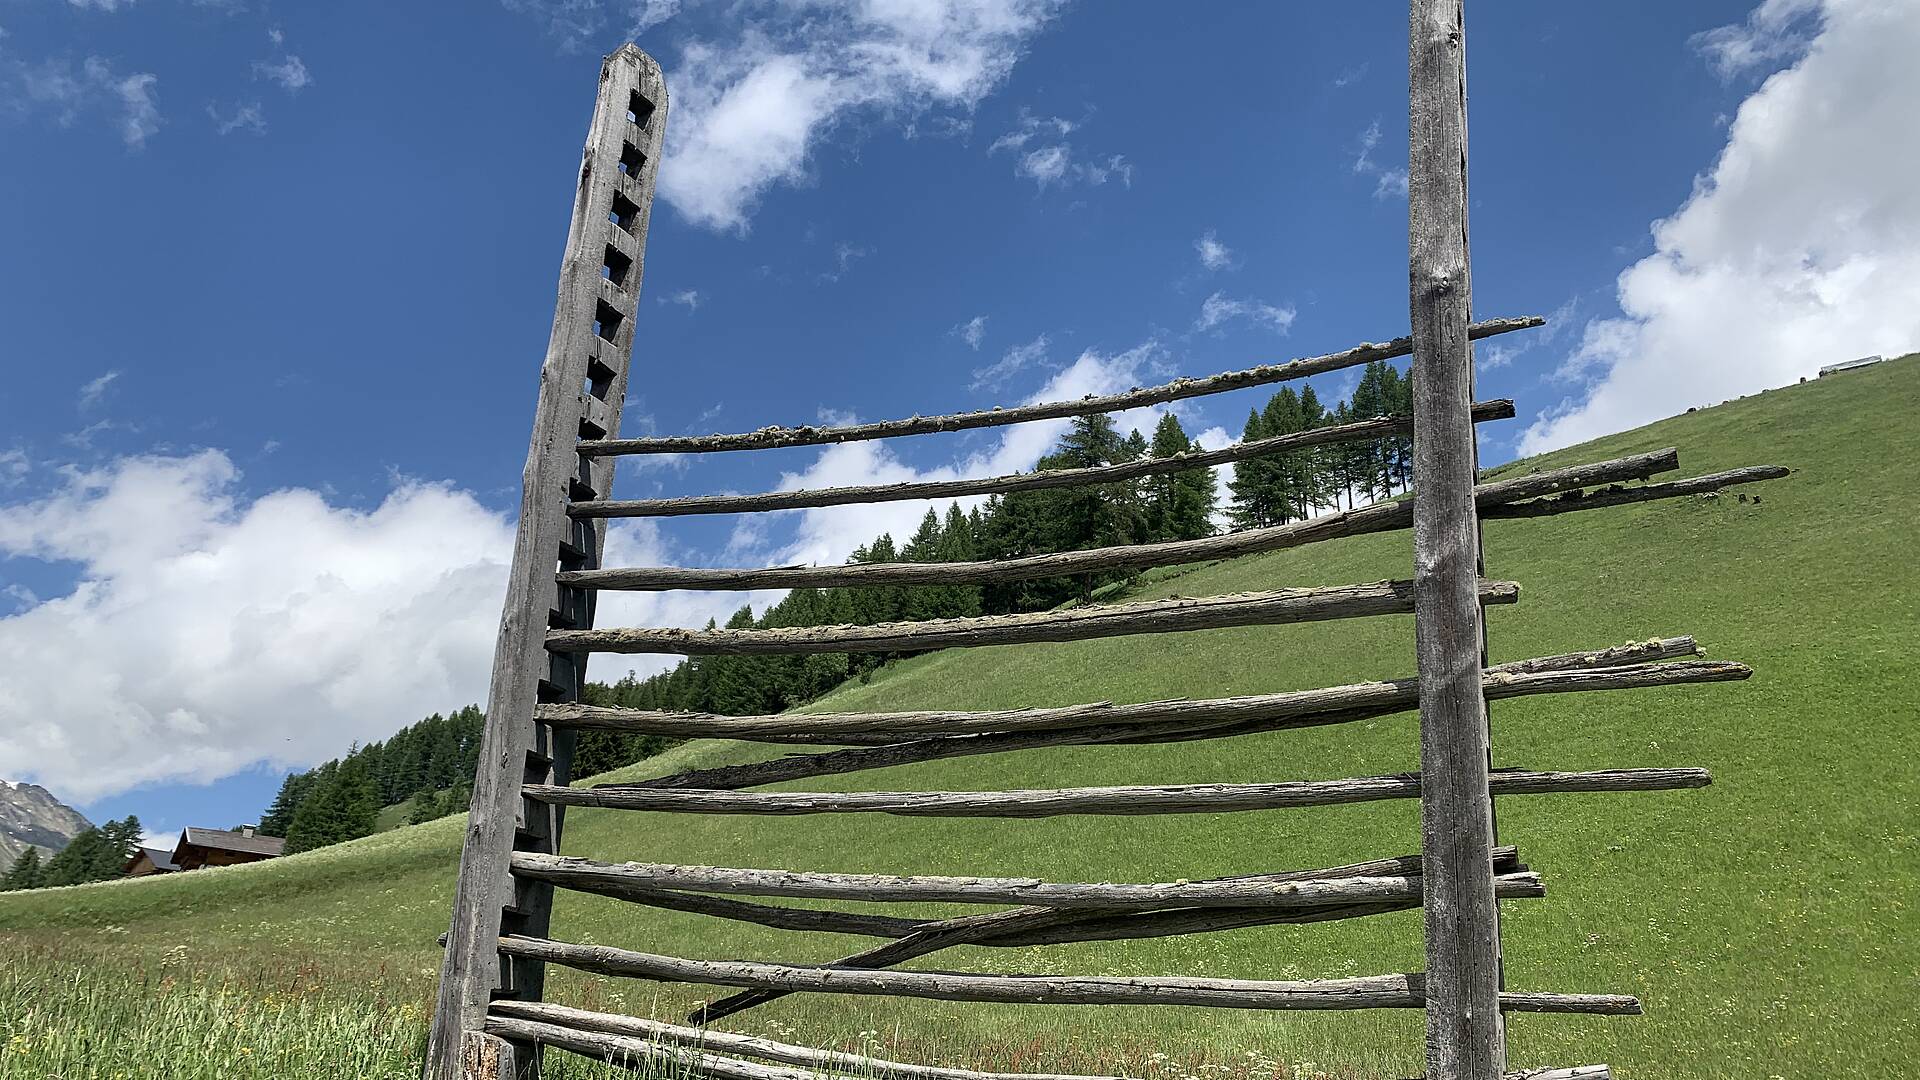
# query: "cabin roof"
224, 840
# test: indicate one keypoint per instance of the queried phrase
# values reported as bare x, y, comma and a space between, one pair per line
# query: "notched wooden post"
583, 382
1465, 1040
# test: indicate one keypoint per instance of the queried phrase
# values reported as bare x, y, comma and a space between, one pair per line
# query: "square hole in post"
616, 268
606, 321
624, 213
639, 110
631, 160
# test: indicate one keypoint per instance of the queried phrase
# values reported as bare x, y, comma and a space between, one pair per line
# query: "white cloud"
1800, 247
1218, 309
225, 631
749, 110
1016, 360
973, 331
1776, 30
1214, 255
1053, 161
289, 71
249, 117
1030, 127
1350, 76
688, 298
101, 5
93, 390
1387, 182
129, 100
14, 467
843, 256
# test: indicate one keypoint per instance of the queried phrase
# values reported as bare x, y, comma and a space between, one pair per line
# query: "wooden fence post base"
490, 1057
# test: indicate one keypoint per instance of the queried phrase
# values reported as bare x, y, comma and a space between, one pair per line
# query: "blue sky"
276, 281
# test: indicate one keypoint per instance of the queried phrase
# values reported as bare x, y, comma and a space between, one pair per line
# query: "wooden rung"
878, 751
1073, 624
1380, 517
664, 1049
1243, 892
769, 437
1625, 669
1364, 992
1376, 428
827, 1062
1135, 800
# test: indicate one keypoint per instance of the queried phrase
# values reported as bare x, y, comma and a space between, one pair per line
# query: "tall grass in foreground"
68, 1015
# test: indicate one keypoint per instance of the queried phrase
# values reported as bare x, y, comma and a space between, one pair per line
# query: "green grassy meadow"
1768, 922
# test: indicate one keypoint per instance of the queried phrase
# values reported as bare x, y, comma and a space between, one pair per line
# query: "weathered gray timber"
924, 888
869, 1068
1048, 926
940, 747
1137, 799
1465, 1040
653, 1047
768, 438
1380, 517
1374, 428
1304, 705
583, 382
1623, 496
1176, 615
1365, 992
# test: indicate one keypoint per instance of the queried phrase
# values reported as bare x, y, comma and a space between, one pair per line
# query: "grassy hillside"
1768, 922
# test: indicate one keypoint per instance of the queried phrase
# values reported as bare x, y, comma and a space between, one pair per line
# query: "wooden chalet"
220, 847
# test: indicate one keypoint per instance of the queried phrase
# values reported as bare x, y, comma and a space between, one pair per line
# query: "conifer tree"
25, 873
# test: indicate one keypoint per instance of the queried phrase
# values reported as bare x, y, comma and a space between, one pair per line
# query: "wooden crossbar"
768, 438
933, 888
814, 1061
1073, 624
1375, 428
1364, 992
909, 749
1131, 800
1513, 498
1305, 705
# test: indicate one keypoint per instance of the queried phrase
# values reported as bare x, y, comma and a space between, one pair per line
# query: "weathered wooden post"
582, 385
1465, 1040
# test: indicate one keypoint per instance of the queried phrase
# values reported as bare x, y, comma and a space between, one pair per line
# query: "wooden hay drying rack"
490, 1020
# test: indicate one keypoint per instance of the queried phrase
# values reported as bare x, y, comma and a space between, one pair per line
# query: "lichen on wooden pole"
1465, 1040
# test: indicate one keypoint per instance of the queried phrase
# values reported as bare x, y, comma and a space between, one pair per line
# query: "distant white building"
1865, 361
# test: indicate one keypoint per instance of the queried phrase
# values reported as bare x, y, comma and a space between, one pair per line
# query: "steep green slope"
1767, 921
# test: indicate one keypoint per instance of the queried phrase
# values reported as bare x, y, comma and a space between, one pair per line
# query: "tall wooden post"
1465, 1040
582, 385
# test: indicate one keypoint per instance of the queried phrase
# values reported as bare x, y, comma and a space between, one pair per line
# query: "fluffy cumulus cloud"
223, 631
748, 109
1798, 248
207, 633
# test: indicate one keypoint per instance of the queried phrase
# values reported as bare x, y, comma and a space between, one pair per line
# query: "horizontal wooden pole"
1394, 698
1139, 799
1060, 926
1376, 428
568, 870
1622, 496
768, 438
1379, 517
868, 1068
1177, 615
1541, 675
1366, 992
